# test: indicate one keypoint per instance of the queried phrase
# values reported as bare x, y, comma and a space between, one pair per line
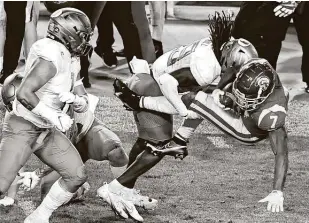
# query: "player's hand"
61, 121
7, 201
275, 201
65, 122
285, 8
67, 97
29, 180
192, 115
139, 66
216, 96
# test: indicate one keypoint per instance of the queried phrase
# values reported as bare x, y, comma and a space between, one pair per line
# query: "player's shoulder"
272, 114
50, 50
204, 62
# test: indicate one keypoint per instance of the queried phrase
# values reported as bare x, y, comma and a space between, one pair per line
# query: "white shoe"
36, 217
142, 201
118, 203
7, 201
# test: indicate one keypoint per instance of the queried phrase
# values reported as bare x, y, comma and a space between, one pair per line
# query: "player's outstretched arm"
278, 140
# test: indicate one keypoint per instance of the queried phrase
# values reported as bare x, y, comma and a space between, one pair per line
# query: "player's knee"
117, 156
75, 178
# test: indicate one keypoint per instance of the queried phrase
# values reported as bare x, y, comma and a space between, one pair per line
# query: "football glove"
216, 96
60, 120
275, 201
7, 201
80, 103
285, 8
29, 180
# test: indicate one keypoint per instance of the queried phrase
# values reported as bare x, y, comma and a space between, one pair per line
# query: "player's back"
196, 60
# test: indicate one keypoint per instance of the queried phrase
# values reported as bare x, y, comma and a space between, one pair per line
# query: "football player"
39, 113
94, 141
255, 107
185, 68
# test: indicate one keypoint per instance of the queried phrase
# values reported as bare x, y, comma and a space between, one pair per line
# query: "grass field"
220, 181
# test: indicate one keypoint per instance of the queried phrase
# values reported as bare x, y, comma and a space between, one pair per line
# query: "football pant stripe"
225, 125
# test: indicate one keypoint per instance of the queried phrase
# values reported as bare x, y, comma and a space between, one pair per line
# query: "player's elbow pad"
81, 104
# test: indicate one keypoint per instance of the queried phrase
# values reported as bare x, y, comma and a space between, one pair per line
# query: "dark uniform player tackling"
259, 112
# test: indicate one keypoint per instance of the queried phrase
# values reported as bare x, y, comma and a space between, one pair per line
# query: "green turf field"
220, 181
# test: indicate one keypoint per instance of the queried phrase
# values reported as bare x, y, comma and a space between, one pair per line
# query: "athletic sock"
115, 187
56, 197
187, 128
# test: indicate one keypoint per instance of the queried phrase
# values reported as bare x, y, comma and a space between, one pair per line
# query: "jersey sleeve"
204, 66
49, 52
271, 118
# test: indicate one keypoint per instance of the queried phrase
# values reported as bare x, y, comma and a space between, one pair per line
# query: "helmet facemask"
253, 84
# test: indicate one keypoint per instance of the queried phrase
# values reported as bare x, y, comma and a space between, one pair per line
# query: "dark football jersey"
270, 115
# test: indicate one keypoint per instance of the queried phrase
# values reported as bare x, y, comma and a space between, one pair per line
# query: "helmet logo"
243, 42
263, 83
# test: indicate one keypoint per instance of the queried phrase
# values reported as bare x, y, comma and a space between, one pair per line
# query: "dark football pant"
15, 29
152, 126
95, 145
256, 22
19, 137
301, 25
119, 13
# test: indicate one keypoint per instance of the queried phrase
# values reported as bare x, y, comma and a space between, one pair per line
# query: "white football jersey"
68, 68
198, 57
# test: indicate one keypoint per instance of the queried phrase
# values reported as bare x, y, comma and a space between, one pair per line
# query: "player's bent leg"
15, 148
104, 144
227, 121
61, 155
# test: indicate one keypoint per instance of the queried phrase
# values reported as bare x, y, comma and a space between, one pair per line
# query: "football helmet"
72, 28
9, 88
235, 53
253, 84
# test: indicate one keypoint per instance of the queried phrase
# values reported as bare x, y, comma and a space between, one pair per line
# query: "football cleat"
128, 97
121, 207
171, 149
142, 201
